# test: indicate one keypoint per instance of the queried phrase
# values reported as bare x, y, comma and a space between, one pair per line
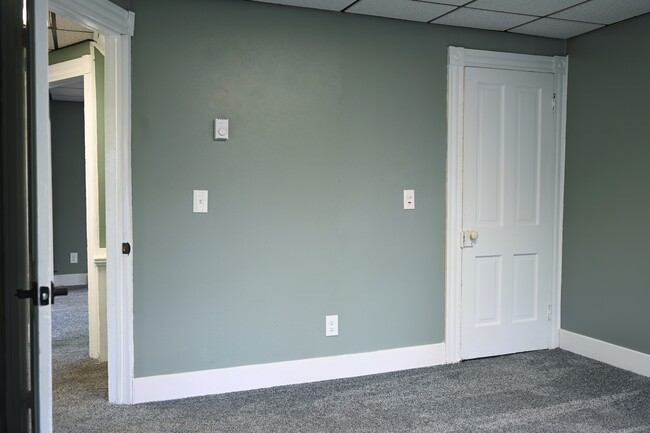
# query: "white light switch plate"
409, 199
200, 202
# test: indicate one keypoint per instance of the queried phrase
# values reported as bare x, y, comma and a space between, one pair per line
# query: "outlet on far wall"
74, 258
331, 326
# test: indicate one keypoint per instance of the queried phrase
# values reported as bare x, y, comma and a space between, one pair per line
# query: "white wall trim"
458, 59
608, 353
465, 57
103, 16
220, 381
69, 69
67, 280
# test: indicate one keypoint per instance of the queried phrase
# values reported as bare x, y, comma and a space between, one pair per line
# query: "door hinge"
29, 399
554, 98
549, 316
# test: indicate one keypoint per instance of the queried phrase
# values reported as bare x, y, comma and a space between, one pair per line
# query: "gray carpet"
548, 391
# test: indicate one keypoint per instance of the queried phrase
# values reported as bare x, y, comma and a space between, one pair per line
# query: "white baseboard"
71, 280
220, 381
608, 353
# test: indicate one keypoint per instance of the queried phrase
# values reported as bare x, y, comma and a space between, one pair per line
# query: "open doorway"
79, 322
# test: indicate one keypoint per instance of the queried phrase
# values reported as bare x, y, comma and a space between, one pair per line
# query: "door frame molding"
458, 59
117, 26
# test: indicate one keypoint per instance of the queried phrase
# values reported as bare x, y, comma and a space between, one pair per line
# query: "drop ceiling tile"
401, 9
66, 38
480, 19
65, 23
330, 5
448, 2
551, 28
526, 7
605, 11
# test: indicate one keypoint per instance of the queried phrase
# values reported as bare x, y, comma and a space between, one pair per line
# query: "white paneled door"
508, 212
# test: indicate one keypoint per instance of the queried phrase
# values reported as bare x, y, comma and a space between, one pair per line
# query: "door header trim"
464, 57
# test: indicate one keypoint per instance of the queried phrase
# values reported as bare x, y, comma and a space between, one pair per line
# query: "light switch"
409, 199
200, 202
221, 129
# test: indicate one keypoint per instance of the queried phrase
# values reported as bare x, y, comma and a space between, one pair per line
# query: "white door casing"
117, 26
508, 191
526, 263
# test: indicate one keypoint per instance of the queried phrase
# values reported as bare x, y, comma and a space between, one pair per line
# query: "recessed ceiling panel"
526, 7
448, 2
330, 5
480, 19
605, 11
401, 9
552, 28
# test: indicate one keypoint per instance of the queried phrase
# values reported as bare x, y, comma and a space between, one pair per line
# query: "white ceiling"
71, 89
561, 19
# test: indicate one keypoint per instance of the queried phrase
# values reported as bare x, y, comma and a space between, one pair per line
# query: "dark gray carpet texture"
546, 391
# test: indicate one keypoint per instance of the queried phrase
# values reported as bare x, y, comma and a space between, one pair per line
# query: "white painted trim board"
611, 354
220, 381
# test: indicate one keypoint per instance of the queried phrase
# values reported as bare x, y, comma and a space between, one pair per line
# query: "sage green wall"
68, 186
69, 53
331, 117
605, 292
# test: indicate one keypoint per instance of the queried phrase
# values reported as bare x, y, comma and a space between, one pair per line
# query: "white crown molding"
193, 384
608, 353
100, 15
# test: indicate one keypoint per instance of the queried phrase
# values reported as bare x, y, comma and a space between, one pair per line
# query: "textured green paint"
69, 53
332, 116
605, 290
101, 165
68, 186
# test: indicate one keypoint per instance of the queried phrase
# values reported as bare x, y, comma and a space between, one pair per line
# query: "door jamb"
117, 25
458, 59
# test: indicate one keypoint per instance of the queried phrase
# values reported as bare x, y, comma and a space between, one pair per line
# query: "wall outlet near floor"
331, 326
74, 258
